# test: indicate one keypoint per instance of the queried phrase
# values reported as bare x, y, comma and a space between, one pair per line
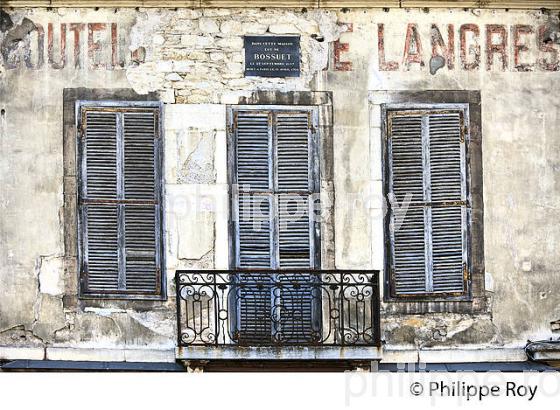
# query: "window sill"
149, 298
474, 305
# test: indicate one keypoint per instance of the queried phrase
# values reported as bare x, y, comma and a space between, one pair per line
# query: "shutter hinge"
465, 132
447, 203
81, 133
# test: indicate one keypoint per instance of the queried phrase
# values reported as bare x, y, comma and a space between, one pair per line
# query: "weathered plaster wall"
519, 127
193, 59
39, 284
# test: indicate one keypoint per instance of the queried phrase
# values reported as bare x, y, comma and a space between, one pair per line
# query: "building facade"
237, 185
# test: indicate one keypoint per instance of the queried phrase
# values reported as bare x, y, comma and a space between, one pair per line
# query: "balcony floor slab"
279, 353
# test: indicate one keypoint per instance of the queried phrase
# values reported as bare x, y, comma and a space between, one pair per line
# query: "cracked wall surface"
193, 61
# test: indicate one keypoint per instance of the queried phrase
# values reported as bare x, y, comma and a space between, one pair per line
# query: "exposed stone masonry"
198, 54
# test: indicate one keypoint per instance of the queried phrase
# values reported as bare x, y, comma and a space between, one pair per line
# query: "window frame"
389, 283
121, 106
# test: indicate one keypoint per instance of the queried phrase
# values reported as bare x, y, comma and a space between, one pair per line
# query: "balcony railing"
278, 308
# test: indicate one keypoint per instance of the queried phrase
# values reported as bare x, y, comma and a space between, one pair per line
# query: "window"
119, 200
429, 207
274, 158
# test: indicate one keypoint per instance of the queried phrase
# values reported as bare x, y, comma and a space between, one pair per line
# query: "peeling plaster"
14, 37
437, 330
50, 317
49, 273
19, 336
206, 261
197, 161
143, 76
436, 63
164, 326
90, 330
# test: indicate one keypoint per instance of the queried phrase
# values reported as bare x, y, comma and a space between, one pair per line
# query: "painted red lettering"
499, 32
412, 47
472, 49
439, 48
383, 64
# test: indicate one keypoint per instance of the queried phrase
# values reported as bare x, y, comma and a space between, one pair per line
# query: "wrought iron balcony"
278, 308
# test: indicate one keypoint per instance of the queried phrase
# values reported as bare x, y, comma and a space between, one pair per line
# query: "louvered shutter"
99, 192
407, 172
448, 191
427, 167
275, 178
141, 241
254, 224
295, 184
120, 202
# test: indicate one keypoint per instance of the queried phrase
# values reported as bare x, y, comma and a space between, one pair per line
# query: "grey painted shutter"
100, 211
407, 171
141, 214
119, 202
427, 163
254, 227
255, 289
293, 132
254, 179
274, 175
448, 193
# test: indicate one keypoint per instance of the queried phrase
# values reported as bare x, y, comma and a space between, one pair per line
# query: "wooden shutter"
254, 226
407, 171
294, 182
427, 167
120, 202
275, 175
448, 191
141, 214
254, 180
99, 193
